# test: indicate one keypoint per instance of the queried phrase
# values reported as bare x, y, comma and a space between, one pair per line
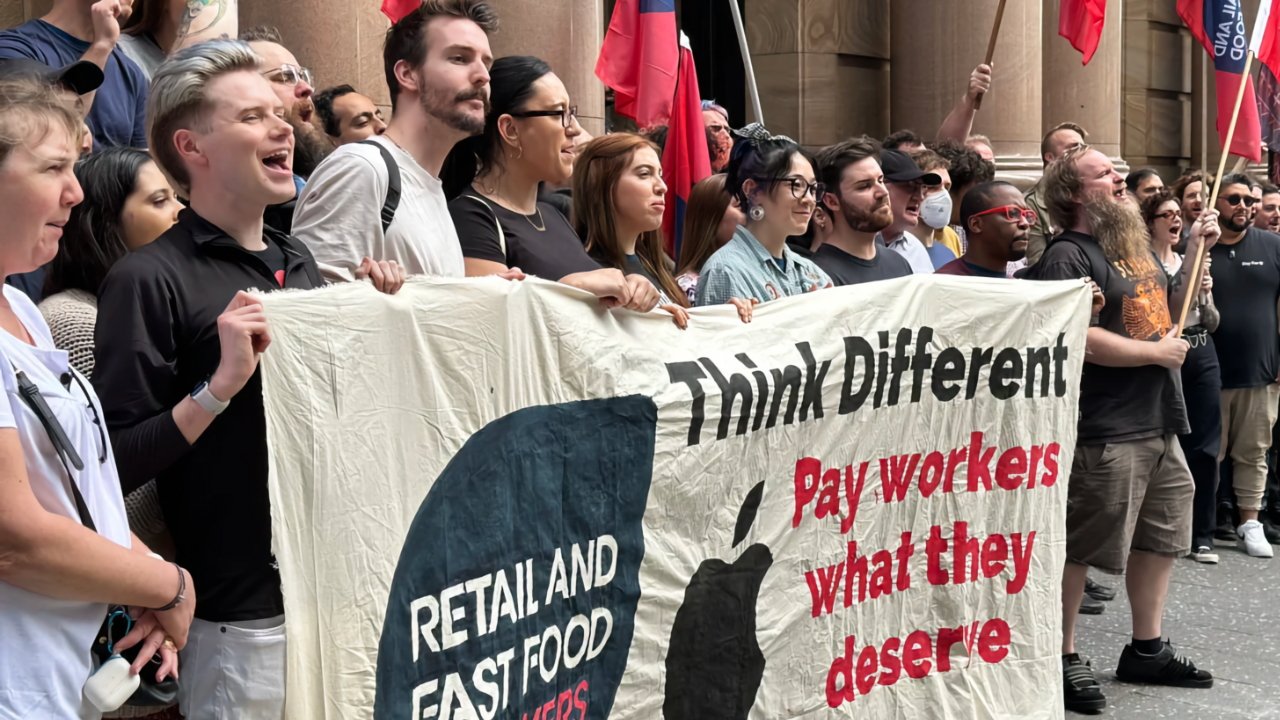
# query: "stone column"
936, 45
1158, 55
1089, 95
822, 66
565, 33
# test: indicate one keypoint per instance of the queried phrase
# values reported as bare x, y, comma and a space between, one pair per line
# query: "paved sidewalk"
1225, 617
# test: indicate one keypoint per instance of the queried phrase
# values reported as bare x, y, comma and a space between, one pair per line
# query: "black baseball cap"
79, 77
899, 167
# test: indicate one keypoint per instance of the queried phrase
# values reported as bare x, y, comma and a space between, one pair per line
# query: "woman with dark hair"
773, 181
1201, 379
493, 178
127, 203
709, 222
64, 538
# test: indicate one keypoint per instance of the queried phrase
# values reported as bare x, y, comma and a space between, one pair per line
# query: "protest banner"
499, 499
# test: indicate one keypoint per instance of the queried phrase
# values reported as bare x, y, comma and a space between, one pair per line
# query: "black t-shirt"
1121, 404
273, 257
1246, 286
845, 269
541, 244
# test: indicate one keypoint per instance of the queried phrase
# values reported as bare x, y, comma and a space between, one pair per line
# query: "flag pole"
746, 61
1194, 282
991, 48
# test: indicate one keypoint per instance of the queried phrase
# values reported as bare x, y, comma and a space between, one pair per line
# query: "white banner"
497, 499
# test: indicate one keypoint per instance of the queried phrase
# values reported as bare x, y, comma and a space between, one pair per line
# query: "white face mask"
935, 211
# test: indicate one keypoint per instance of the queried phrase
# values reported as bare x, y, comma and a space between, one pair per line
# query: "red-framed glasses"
1011, 212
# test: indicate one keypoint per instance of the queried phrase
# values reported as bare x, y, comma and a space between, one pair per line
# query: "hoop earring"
756, 213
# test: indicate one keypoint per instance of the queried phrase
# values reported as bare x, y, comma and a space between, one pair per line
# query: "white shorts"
233, 670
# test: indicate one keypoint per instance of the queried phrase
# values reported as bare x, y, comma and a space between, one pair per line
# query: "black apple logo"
714, 663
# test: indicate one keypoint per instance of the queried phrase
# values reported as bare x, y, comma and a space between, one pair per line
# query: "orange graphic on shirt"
1146, 314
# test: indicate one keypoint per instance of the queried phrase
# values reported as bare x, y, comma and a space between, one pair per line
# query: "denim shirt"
743, 269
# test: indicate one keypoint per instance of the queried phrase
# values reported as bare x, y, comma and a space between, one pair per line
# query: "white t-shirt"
339, 215
44, 642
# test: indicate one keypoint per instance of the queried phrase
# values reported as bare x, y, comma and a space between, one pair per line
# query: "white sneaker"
1205, 555
1253, 540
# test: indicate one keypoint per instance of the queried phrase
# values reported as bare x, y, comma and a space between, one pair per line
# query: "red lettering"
979, 465
853, 495
915, 656
948, 637
867, 669
931, 473
822, 587
806, 485
934, 547
890, 662
954, 458
895, 475
994, 553
1051, 464
993, 646
1037, 452
580, 700
841, 670
564, 705
829, 495
1010, 468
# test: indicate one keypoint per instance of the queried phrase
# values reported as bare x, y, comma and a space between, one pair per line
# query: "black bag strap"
31, 397
392, 200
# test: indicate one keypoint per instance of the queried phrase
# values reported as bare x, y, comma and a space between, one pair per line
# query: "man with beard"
906, 183
1268, 216
997, 222
436, 61
293, 85
1130, 491
719, 137
857, 205
1246, 287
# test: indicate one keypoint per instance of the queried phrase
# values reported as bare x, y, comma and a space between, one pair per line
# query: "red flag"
1265, 44
1219, 26
397, 9
1080, 21
639, 60
685, 159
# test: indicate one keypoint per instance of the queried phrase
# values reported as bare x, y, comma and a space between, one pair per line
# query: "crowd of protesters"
148, 179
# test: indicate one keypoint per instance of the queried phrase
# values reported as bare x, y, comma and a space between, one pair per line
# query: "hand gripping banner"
498, 499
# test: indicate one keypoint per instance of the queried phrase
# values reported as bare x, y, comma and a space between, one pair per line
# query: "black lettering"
948, 369
785, 379
901, 363
981, 356
762, 389
856, 348
1037, 358
689, 373
1059, 375
813, 380
1004, 374
921, 362
736, 388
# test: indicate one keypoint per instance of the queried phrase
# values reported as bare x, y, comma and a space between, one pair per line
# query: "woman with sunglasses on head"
66, 547
773, 181
1201, 377
493, 178
709, 222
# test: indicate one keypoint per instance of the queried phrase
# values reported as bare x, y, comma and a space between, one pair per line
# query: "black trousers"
1202, 388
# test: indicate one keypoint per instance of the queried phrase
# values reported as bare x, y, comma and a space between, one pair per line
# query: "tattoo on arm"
195, 10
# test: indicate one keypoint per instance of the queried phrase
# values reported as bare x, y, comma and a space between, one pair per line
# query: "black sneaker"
1271, 530
1164, 668
1098, 591
1090, 605
1080, 689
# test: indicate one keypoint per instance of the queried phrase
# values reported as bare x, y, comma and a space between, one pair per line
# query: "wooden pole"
1193, 283
752, 90
991, 46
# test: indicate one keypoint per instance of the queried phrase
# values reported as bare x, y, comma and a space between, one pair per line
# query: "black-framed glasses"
799, 186
1235, 200
289, 75
567, 116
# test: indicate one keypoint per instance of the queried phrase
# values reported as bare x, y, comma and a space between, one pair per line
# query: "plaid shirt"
743, 269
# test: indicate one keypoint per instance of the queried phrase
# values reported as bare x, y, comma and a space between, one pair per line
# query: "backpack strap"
392, 200
502, 237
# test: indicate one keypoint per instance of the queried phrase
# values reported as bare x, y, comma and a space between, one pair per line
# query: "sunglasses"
1169, 214
566, 115
1235, 200
1013, 213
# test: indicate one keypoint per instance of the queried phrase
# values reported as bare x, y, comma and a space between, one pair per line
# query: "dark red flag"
685, 159
1219, 26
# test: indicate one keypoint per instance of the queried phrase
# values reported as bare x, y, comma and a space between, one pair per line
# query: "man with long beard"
857, 202
1129, 495
1246, 279
437, 62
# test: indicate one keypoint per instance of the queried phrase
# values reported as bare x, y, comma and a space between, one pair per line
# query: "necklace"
527, 219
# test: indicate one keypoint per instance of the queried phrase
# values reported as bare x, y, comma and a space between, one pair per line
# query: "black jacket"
156, 339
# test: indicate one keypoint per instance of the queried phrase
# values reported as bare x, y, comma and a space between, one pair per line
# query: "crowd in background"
148, 179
